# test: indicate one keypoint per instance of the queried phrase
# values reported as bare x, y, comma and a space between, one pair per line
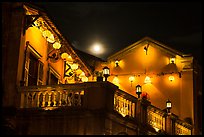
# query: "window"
33, 70
53, 77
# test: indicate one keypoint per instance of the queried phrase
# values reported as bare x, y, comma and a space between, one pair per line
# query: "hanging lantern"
46, 34
51, 38
74, 66
131, 79
84, 79
147, 80
82, 74
56, 45
64, 56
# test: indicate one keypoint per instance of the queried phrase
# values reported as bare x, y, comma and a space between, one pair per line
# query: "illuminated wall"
155, 63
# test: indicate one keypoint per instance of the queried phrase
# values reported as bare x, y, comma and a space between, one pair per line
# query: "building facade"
49, 87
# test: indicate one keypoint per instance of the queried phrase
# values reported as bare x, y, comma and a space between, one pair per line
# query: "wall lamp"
172, 60
131, 79
116, 63
171, 78
146, 48
106, 72
138, 90
168, 106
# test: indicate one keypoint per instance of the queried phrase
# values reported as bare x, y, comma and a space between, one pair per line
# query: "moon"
97, 48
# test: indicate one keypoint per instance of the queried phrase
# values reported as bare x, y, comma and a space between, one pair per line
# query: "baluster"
66, 98
49, 98
33, 99
38, 99
54, 100
60, 98
43, 100
133, 109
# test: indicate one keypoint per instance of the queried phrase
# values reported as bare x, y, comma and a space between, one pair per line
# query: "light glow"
97, 49
56, 45
147, 80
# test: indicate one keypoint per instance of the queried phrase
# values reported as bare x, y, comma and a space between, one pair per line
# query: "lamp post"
168, 105
106, 72
138, 90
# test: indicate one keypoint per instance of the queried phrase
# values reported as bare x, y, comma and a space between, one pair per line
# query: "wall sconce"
131, 79
171, 78
106, 72
146, 48
138, 90
116, 63
147, 80
168, 106
172, 60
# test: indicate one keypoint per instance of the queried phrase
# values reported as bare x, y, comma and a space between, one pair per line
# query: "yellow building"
42, 71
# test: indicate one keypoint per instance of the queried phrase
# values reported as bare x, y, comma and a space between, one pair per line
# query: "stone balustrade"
96, 95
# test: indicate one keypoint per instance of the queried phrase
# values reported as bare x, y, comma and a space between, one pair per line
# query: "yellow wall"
136, 63
39, 43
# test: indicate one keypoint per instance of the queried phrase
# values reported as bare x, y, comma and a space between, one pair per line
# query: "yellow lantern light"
131, 79
56, 45
51, 38
74, 66
171, 78
84, 79
147, 80
46, 33
82, 74
116, 63
172, 60
64, 56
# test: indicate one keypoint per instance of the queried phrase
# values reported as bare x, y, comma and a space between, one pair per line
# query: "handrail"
73, 95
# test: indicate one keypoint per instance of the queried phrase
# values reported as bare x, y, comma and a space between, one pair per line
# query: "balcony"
102, 96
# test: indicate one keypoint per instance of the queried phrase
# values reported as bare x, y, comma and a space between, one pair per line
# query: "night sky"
117, 25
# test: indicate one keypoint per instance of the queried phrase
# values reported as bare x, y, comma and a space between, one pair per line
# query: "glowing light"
74, 66
171, 78
131, 78
147, 80
116, 80
116, 63
172, 60
56, 45
97, 48
84, 79
64, 56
